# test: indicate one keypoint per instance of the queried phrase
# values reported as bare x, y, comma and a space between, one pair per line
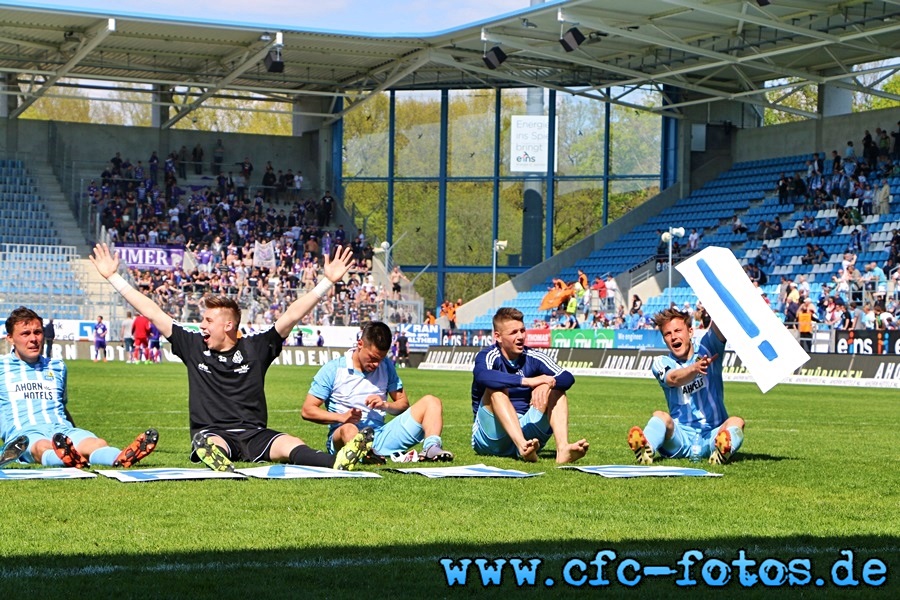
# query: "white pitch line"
754, 552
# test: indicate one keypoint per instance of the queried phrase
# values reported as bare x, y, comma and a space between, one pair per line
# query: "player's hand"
540, 397
703, 363
106, 262
375, 402
534, 382
352, 416
335, 269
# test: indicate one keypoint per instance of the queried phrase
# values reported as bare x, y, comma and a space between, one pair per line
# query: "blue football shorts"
679, 445
397, 435
46, 432
489, 437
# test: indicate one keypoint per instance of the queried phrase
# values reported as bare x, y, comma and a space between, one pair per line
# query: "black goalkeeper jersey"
226, 390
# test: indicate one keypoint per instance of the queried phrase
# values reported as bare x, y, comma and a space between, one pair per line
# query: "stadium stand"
41, 277
23, 218
746, 190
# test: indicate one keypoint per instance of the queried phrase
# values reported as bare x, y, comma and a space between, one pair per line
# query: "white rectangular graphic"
765, 346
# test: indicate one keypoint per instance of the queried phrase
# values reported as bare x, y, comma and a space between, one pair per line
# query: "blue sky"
357, 16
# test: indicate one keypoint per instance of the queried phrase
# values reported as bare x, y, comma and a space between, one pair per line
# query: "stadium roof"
710, 50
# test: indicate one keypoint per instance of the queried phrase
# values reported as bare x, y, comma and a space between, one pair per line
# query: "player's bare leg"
428, 412
498, 403
558, 407
343, 434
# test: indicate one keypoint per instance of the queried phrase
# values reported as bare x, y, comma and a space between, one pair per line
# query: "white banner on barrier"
767, 349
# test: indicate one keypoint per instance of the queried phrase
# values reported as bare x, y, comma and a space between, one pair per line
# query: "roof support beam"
764, 21
396, 76
638, 76
93, 37
757, 61
450, 61
246, 60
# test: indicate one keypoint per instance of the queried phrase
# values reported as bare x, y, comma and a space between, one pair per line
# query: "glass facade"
431, 172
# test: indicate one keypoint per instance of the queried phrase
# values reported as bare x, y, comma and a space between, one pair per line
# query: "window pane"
635, 143
580, 135
578, 211
365, 147
470, 151
415, 218
418, 134
469, 222
367, 204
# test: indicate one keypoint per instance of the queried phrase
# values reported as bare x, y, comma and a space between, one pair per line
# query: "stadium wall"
292, 356
852, 370
806, 137
97, 143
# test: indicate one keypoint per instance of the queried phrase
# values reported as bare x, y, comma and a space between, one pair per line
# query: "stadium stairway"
59, 210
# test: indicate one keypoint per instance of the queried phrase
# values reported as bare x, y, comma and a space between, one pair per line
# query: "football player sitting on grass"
697, 424
33, 401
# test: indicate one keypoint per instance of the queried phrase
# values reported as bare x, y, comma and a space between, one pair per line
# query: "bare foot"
572, 452
529, 453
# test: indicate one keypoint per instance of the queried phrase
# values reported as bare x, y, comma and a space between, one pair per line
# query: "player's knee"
541, 404
39, 447
432, 402
735, 422
490, 395
666, 418
343, 434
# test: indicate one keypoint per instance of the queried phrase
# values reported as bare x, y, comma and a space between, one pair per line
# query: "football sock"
50, 459
655, 432
304, 455
431, 440
105, 456
737, 438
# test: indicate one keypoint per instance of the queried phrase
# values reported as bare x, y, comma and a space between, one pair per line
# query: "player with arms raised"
226, 374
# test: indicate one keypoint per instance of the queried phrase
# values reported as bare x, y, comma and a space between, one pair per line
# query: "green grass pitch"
818, 474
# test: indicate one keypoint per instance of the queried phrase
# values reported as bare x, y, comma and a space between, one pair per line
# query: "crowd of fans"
220, 225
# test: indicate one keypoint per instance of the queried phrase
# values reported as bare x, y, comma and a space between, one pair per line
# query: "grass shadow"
562, 570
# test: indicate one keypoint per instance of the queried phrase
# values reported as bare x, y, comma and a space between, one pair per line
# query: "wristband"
119, 283
322, 287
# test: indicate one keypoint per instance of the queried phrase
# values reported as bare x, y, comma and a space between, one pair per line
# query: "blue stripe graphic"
736, 310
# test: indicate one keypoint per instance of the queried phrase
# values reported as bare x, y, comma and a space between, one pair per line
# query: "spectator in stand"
636, 304
197, 157
763, 256
806, 227
600, 290
612, 293
777, 228
782, 187
809, 258
693, 241
806, 316
882, 198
